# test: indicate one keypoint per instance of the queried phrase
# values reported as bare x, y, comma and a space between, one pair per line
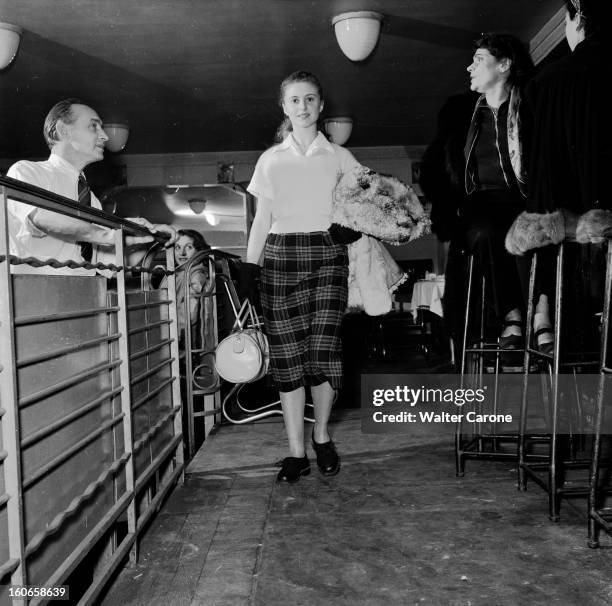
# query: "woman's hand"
153, 228
248, 282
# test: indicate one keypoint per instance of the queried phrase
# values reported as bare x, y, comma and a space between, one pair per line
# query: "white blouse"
300, 186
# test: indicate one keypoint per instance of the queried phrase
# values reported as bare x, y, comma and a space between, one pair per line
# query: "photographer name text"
423, 416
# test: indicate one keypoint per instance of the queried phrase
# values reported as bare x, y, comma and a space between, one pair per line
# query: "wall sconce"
9, 43
117, 136
339, 129
357, 33
198, 206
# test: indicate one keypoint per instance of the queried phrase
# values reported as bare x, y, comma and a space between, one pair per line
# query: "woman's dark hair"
300, 76
594, 14
199, 243
506, 46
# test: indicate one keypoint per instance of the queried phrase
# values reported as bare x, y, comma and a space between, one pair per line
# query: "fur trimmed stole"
387, 209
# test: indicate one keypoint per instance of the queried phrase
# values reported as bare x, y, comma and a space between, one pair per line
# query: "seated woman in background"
189, 243
480, 161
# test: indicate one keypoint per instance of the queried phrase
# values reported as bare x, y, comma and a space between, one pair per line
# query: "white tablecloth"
428, 294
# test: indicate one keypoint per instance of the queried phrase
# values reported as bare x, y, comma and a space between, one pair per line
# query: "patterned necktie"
85, 200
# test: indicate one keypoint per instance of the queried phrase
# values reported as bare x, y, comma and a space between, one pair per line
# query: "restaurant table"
427, 294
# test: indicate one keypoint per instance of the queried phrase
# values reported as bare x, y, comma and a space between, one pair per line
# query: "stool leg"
593, 500
482, 324
483, 440
459, 456
522, 476
467, 313
564, 428
480, 356
556, 462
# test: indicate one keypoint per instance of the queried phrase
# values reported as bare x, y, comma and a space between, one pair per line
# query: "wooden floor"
395, 527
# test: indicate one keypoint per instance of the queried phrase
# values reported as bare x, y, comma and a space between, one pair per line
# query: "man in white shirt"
75, 135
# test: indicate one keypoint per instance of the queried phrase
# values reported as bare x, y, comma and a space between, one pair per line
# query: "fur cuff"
535, 230
571, 225
594, 226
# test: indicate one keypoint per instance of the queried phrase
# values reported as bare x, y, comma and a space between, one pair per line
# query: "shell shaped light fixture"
9, 43
339, 129
117, 136
357, 33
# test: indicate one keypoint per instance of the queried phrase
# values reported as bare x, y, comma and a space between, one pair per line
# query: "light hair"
300, 76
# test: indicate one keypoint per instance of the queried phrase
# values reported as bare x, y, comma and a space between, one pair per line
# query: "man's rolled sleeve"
20, 211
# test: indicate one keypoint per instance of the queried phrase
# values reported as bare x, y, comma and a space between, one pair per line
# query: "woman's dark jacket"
447, 174
570, 150
443, 166
448, 177
443, 183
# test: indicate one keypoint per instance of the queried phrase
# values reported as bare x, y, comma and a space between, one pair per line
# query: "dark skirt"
488, 216
304, 292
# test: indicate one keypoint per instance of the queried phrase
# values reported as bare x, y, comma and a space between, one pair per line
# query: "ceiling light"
198, 206
9, 43
357, 33
117, 136
339, 129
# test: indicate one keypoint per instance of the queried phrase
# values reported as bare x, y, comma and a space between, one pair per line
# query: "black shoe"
328, 460
293, 468
511, 341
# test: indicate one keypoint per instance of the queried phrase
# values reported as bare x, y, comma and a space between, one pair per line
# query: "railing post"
126, 395
212, 402
174, 352
188, 361
9, 412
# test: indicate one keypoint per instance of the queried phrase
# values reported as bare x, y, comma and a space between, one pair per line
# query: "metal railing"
90, 409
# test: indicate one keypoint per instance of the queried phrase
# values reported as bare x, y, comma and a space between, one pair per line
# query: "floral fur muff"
380, 206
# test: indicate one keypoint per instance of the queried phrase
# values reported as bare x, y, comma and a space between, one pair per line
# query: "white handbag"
243, 356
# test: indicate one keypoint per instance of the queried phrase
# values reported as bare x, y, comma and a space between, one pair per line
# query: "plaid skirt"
304, 292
